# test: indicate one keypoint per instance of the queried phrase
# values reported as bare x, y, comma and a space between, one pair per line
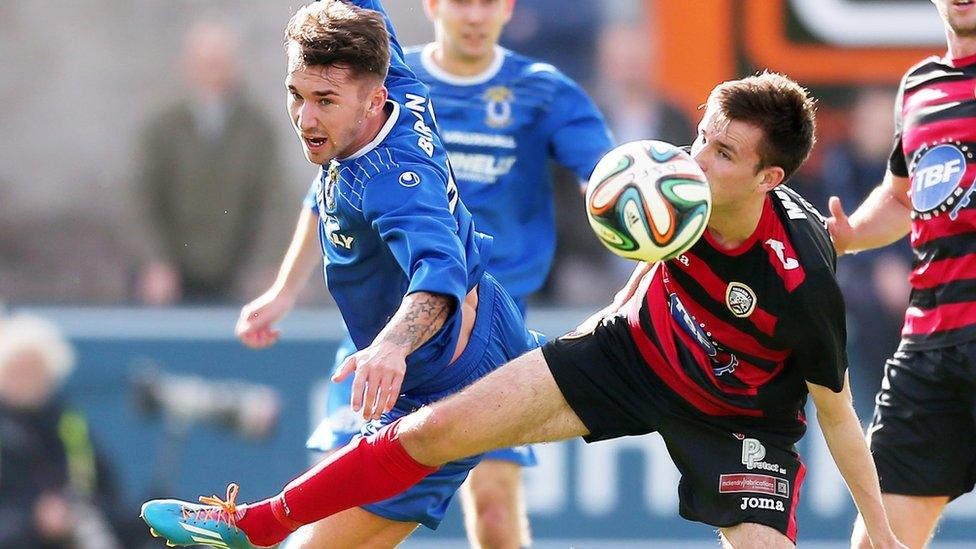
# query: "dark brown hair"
778, 106
332, 32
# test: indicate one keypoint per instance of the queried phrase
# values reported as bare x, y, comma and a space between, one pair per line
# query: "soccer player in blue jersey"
502, 117
403, 260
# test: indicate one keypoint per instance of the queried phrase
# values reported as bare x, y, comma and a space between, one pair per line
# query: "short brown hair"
332, 32
778, 106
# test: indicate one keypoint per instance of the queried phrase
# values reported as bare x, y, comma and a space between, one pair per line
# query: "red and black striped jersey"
738, 332
935, 141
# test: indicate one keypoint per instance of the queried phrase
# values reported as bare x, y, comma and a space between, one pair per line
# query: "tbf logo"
937, 182
937, 174
753, 452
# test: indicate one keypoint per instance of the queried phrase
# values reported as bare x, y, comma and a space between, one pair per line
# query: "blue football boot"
211, 522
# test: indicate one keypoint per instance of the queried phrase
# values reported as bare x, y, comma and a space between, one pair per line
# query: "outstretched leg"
352, 529
517, 404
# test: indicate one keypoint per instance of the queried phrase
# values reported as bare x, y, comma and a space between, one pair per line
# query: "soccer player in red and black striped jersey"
716, 350
923, 435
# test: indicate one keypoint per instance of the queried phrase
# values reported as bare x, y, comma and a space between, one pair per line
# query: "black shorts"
923, 434
727, 477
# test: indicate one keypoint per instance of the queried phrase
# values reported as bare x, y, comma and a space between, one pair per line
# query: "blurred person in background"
875, 283
624, 88
852, 164
567, 41
626, 91
55, 491
502, 116
923, 434
208, 173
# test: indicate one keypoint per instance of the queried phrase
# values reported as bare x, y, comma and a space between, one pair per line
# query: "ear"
509, 9
377, 100
430, 7
771, 178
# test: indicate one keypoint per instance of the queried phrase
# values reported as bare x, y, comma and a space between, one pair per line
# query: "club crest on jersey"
498, 106
740, 299
937, 187
332, 178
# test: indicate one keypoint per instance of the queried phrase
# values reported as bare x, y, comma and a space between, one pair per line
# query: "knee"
495, 504
426, 435
497, 521
492, 503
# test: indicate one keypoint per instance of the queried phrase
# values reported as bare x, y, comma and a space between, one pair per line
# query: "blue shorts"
498, 336
340, 424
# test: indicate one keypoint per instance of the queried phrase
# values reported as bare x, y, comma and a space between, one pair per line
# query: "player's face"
329, 107
959, 15
726, 150
469, 29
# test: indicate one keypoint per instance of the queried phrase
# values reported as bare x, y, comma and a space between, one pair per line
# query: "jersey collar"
764, 219
960, 62
427, 60
384, 131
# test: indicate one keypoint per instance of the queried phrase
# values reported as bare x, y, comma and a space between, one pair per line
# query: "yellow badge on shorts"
740, 299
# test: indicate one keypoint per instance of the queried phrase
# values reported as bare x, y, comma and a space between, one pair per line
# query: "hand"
159, 284
379, 369
52, 517
594, 320
839, 226
254, 326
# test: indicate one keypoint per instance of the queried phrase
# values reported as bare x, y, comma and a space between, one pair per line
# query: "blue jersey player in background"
502, 117
403, 263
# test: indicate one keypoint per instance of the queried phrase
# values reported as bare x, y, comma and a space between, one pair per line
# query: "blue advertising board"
616, 493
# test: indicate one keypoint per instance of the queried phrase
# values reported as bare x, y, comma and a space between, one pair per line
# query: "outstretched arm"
254, 326
883, 217
842, 431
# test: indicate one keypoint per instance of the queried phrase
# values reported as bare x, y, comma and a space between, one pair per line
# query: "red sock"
376, 468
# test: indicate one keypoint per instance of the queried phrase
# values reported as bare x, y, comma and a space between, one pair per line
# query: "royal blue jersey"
392, 224
501, 128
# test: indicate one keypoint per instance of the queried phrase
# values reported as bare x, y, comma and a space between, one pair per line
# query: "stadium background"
82, 77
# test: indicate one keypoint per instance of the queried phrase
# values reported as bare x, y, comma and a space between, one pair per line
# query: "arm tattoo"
419, 317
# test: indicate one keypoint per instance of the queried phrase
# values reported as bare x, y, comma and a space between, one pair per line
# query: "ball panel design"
648, 200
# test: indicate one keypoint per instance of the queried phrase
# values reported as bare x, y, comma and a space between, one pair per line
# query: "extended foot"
211, 522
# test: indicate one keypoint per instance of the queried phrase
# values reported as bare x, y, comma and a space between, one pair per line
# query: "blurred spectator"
567, 40
855, 166
585, 272
210, 168
626, 90
54, 489
875, 283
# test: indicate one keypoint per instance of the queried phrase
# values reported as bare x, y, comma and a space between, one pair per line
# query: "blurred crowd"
212, 178
57, 490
